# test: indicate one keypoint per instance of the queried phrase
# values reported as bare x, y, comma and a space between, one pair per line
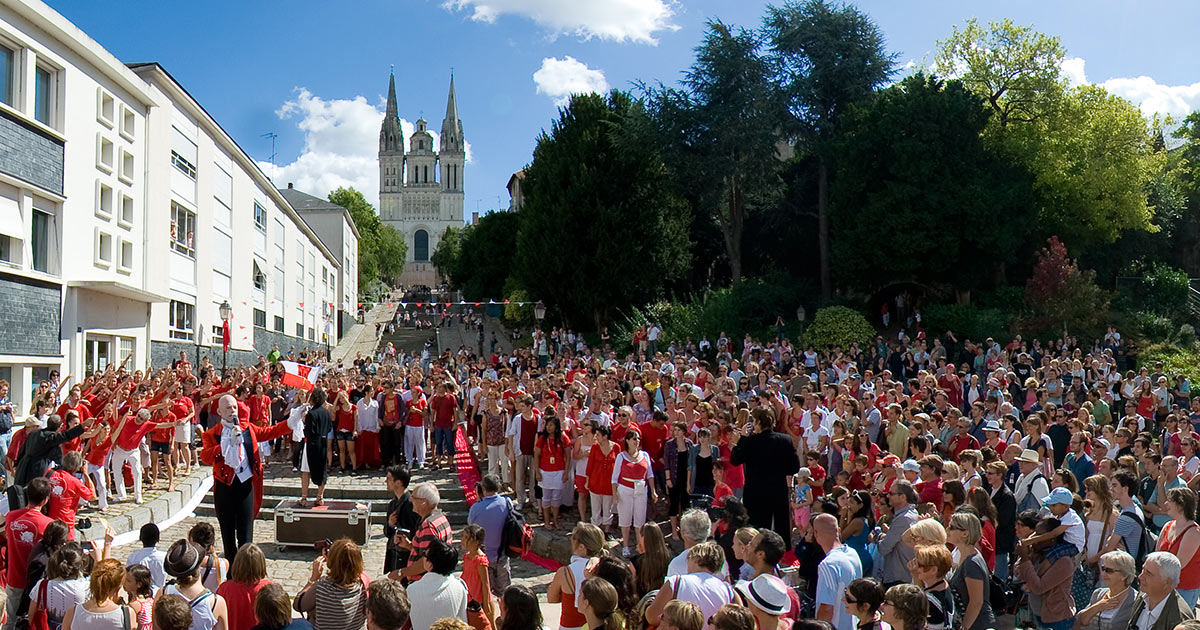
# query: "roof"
518, 176
304, 202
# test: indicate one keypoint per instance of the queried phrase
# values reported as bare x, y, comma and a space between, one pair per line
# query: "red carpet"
468, 475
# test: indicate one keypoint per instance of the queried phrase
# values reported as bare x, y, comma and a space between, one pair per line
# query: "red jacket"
210, 453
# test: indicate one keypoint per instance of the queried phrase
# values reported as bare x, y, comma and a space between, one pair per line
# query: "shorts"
551, 498
345, 436
581, 484
801, 516
160, 447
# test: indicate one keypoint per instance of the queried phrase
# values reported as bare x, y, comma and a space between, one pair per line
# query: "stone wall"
30, 315
28, 154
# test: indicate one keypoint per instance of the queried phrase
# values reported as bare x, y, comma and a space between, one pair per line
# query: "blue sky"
315, 73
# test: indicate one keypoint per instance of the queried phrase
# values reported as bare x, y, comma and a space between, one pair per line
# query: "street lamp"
539, 312
199, 342
226, 312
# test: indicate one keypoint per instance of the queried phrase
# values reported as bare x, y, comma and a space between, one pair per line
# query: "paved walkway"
361, 337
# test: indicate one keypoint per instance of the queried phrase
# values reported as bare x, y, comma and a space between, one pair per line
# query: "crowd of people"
917, 483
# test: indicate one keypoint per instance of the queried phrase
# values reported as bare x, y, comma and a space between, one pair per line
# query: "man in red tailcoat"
231, 448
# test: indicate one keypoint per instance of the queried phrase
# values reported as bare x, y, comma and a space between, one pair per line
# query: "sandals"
302, 503
319, 502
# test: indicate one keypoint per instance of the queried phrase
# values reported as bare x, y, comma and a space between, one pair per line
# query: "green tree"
485, 256
446, 256
918, 195
718, 133
381, 248
1062, 294
1092, 154
599, 229
1017, 70
826, 59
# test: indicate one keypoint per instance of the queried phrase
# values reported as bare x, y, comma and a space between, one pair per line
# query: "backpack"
1148, 542
517, 536
1029, 501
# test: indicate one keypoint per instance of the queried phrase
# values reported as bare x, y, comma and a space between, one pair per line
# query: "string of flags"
370, 305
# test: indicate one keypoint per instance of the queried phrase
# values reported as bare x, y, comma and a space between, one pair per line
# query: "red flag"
225, 336
299, 375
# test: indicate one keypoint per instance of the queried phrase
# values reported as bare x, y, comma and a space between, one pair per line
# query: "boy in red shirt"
445, 415
66, 490
24, 529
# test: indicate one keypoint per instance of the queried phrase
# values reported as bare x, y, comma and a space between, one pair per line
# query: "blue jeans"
1001, 565
1065, 624
443, 441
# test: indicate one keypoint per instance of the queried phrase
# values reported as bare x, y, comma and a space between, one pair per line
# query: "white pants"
631, 506
119, 457
414, 446
98, 478
498, 463
602, 505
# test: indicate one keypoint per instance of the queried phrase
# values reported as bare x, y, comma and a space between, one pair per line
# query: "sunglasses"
1108, 569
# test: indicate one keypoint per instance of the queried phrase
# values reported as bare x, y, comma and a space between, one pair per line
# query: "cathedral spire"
391, 138
452, 133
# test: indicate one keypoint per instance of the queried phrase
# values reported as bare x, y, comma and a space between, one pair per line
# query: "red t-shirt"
260, 410
80, 408
960, 443
98, 451
345, 418
390, 410
24, 529
600, 469
165, 434
930, 492
734, 476
444, 406
65, 492
239, 601
619, 430
653, 439
132, 434
416, 411
553, 457
14, 448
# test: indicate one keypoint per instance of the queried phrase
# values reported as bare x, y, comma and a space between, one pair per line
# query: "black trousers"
391, 444
234, 504
767, 513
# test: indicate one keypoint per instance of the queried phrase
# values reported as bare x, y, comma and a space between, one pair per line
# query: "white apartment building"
127, 216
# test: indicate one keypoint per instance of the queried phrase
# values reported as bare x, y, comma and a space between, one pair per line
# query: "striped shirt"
434, 526
339, 607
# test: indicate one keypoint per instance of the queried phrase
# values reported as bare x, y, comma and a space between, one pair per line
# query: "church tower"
391, 158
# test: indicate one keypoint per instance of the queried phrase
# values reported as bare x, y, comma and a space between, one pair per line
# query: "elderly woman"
1046, 568
926, 531
929, 567
1112, 604
434, 525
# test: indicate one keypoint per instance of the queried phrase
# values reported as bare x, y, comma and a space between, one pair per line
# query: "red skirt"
366, 447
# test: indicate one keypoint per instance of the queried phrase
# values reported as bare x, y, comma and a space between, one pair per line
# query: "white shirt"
233, 449
706, 590
1150, 615
368, 414
152, 559
678, 566
439, 596
296, 421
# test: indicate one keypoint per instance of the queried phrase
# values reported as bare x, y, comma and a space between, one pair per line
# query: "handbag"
37, 618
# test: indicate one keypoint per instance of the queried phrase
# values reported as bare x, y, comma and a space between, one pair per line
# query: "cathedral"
421, 188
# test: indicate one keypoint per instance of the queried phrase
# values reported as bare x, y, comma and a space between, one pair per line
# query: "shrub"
1152, 326
1175, 360
1062, 295
517, 314
1163, 290
839, 326
969, 322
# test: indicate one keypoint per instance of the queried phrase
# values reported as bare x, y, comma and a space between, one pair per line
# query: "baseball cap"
911, 465
889, 460
766, 593
1059, 496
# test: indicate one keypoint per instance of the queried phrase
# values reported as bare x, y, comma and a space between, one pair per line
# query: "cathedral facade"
420, 186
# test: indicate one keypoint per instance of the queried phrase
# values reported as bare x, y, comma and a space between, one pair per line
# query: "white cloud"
1152, 97
616, 20
341, 145
560, 78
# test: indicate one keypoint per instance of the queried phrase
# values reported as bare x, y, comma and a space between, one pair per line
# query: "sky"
316, 73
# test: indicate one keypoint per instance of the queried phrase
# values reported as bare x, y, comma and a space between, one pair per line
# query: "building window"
260, 280
125, 257
299, 330
312, 334
40, 241
6, 249
181, 315
127, 167
421, 246
7, 57
260, 318
105, 154
184, 166
104, 249
260, 217
278, 324
104, 200
128, 123
106, 107
183, 230
125, 349
43, 95
126, 216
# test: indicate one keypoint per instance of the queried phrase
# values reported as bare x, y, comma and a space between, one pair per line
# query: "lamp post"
801, 314
539, 312
199, 342
226, 312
